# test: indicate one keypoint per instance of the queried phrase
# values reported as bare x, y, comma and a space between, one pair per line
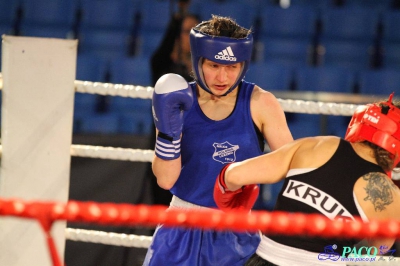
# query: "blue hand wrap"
167, 148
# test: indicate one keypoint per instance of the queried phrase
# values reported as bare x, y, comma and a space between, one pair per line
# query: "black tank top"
327, 190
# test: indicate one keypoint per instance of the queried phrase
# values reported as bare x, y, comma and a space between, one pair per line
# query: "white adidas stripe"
227, 51
230, 52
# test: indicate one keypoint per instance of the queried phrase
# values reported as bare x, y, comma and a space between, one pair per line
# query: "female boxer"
218, 119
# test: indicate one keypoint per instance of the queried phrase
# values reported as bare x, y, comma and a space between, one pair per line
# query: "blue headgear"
219, 49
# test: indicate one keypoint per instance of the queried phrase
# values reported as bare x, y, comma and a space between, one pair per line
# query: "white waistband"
180, 203
284, 255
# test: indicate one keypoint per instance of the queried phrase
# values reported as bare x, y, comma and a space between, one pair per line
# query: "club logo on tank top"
317, 199
225, 152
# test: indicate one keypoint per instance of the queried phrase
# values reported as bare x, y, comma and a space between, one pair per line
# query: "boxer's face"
218, 77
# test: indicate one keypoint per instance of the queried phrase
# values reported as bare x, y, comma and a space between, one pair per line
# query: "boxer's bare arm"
272, 167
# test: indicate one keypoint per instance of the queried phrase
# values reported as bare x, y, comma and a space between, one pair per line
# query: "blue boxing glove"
171, 97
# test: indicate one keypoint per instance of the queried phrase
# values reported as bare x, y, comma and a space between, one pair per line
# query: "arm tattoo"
379, 190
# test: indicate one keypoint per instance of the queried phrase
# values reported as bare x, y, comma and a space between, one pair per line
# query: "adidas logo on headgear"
226, 54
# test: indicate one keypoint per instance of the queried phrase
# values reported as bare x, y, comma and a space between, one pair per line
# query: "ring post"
36, 131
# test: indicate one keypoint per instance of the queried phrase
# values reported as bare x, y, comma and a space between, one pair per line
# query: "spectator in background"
172, 56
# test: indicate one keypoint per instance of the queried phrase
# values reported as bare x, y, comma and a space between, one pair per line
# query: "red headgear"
379, 125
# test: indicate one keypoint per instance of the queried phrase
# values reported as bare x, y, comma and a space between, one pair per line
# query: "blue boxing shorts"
195, 247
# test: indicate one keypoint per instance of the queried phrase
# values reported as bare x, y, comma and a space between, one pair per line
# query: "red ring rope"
133, 215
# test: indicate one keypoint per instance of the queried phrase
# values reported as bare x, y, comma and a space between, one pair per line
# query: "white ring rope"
115, 239
118, 239
296, 106
309, 107
113, 89
124, 154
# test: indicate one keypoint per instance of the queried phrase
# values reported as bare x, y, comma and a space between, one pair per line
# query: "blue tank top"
207, 145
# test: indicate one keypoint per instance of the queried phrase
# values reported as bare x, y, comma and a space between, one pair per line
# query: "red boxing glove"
241, 199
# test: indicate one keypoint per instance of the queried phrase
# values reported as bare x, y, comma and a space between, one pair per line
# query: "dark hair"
382, 156
223, 26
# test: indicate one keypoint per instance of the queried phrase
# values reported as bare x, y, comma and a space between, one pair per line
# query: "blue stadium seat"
359, 24
85, 103
90, 67
135, 113
390, 26
304, 125
377, 5
8, 12
107, 27
138, 123
155, 15
256, 5
270, 76
353, 55
379, 82
107, 14
324, 79
131, 70
47, 32
290, 52
391, 54
337, 125
391, 39
86, 106
6, 29
317, 5
129, 105
348, 37
108, 44
57, 16
294, 22
147, 43
241, 12
106, 123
